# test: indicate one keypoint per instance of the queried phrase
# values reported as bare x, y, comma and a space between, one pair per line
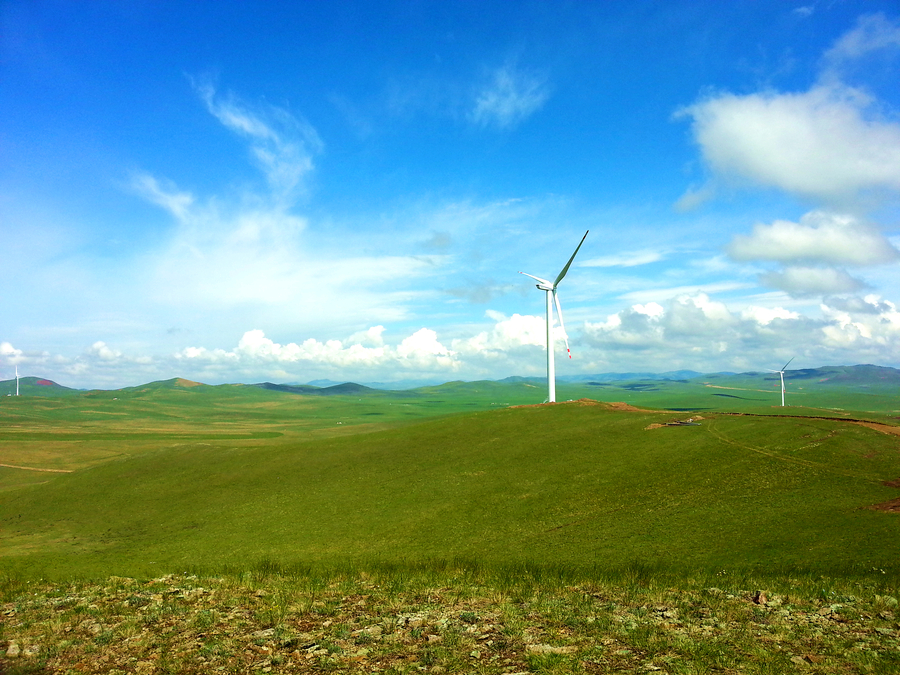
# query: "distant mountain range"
859, 375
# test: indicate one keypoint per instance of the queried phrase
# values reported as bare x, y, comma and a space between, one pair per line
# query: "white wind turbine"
550, 288
781, 373
17, 380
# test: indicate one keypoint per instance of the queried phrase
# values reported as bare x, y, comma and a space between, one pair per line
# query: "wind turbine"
781, 373
550, 289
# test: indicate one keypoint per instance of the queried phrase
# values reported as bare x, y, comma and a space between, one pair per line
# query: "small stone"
799, 660
432, 639
550, 649
12, 651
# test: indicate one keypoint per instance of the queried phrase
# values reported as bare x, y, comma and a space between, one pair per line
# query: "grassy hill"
197, 485
451, 529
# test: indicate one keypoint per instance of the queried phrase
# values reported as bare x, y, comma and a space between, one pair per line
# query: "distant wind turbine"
550, 289
781, 373
17, 380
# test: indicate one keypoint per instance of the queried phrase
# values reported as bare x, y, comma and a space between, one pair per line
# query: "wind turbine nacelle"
544, 287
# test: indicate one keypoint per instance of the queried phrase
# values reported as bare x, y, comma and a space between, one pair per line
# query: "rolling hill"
577, 484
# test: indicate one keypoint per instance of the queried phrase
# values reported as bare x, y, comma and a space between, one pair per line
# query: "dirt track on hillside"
33, 468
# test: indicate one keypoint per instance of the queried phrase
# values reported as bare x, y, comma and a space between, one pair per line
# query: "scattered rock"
12, 651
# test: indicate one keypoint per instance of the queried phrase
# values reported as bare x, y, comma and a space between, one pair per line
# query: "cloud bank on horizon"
296, 193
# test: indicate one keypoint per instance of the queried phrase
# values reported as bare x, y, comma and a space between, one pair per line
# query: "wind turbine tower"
552, 298
17, 380
781, 373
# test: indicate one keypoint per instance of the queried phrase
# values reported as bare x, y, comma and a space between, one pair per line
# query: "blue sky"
247, 191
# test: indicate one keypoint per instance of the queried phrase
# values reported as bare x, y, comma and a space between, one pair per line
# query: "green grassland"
458, 528
174, 476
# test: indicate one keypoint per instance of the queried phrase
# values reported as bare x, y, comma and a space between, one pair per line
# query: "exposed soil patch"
892, 506
883, 428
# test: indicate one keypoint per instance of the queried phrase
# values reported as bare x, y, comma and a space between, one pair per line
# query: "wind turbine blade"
787, 364
562, 323
566, 268
543, 281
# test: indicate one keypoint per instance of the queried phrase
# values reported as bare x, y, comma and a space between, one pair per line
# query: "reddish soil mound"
45, 383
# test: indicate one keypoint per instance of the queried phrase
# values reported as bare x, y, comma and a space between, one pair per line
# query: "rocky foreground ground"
396, 624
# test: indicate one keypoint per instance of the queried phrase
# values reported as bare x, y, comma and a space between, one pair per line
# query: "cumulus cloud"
697, 332
765, 315
832, 143
510, 96
421, 351
812, 250
820, 237
10, 354
827, 143
100, 350
799, 281
507, 333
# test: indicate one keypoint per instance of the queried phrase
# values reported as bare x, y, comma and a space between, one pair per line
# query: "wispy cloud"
626, 259
281, 143
872, 33
509, 97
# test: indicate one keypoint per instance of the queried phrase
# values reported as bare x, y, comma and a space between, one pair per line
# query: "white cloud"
167, 196
812, 281
626, 259
509, 97
872, 33
104, 353
766, 315
650, 294
819, 237
419, 351
507, 333
827, 143
696, 332
282, 143
10, 354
